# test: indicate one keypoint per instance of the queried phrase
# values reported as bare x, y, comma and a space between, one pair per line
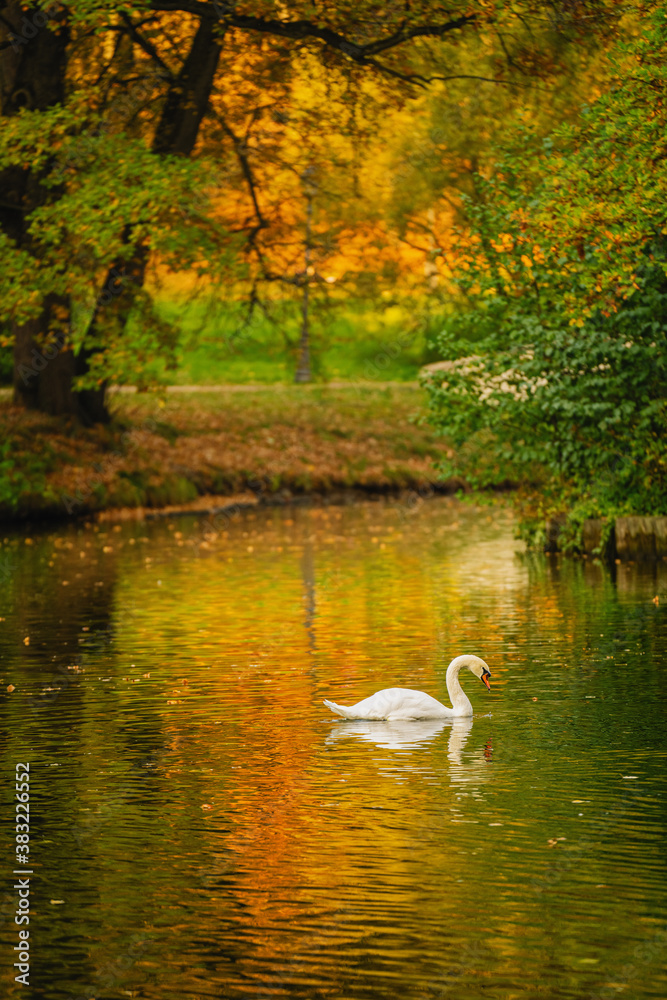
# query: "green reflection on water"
213, 831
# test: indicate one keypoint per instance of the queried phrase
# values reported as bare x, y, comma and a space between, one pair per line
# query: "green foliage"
113, 196
565, 331
22, 475
171, 490
143, 354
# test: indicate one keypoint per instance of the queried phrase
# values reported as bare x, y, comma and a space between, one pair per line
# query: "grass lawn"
348, 342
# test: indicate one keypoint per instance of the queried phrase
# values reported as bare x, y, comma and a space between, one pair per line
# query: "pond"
201, 826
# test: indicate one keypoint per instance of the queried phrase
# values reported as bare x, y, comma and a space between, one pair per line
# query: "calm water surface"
202, 826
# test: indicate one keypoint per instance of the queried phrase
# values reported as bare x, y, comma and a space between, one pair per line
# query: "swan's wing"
408, 704
394, 703
377, 707
374, 707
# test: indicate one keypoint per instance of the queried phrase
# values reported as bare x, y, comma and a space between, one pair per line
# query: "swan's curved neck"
460, 701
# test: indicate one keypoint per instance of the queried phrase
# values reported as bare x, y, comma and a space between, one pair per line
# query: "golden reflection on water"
215, 832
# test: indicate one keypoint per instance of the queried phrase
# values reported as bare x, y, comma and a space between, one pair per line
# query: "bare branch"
144, 43
419, 31
240, 149
473, 76
304, 30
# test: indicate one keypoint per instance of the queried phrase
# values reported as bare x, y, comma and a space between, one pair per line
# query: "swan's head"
476, 666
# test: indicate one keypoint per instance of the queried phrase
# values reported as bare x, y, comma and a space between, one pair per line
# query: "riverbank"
620, 539
272, 442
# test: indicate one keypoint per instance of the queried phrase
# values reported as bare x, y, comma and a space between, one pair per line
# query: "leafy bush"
558, 374
23, 476
582, 406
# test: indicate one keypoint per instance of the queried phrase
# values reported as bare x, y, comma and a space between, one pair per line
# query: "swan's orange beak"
485, 680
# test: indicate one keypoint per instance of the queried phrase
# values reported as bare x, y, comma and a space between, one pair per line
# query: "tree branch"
474, 76
145, 44
304, 29
8, 24
242, 156
419, 31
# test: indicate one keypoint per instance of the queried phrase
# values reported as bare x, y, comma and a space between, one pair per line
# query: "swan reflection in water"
399, 734
467, 770
472, 770
411, 734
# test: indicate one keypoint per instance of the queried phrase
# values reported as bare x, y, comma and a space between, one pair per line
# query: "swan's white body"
403, 703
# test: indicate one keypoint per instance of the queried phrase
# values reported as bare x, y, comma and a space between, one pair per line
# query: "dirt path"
6, 392
274, 386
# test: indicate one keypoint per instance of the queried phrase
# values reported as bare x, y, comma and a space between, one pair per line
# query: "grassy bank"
279, 441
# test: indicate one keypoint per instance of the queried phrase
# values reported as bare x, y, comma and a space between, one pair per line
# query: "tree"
87, 58
83, 119
559, 359
32, 76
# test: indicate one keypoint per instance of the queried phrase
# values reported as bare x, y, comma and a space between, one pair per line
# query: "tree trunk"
176, 133
35, 391
303, 373
187, 99
32, 75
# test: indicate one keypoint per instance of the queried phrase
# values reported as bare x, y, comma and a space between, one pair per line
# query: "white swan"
403, 703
